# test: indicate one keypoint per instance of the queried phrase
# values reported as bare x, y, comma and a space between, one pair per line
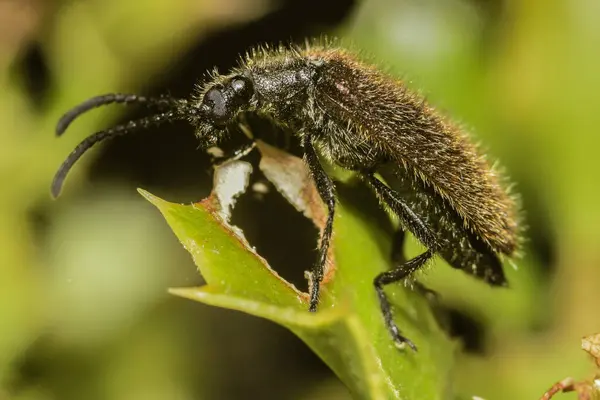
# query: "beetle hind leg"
397, 274
404, 268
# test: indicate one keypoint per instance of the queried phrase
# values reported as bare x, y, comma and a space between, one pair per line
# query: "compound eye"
216, 103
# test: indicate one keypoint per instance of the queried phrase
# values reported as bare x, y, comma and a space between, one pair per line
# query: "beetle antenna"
163, 102
90, 141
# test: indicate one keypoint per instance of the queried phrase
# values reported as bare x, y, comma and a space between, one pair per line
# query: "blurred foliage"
83, 307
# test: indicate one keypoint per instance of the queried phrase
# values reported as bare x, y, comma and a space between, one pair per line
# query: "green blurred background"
84, 311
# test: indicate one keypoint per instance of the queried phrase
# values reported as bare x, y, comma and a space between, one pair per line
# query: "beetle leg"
326, 190
396, 275
408, 218
398, 257
403, 267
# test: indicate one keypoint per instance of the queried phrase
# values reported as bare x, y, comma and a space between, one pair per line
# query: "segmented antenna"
119, 98
90, 141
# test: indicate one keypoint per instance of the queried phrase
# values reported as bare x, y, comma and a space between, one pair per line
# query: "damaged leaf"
347, 332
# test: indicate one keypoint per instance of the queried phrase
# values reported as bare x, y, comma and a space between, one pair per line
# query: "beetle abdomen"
460, 247
398, 125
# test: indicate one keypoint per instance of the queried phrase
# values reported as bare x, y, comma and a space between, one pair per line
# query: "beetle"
419, 163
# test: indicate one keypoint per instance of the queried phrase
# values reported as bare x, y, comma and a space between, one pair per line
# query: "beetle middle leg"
404, 268
326, 190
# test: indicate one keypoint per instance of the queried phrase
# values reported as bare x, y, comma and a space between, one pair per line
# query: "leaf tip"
154, 200
147, 195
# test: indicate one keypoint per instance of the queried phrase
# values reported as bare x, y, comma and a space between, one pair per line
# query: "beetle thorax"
282, 87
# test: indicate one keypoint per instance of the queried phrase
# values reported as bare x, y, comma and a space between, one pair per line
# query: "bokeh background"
84, 311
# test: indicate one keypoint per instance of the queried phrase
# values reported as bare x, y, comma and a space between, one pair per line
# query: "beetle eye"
216, 101
222, 102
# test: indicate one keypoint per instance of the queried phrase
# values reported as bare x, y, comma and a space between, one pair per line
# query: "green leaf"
347, 332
